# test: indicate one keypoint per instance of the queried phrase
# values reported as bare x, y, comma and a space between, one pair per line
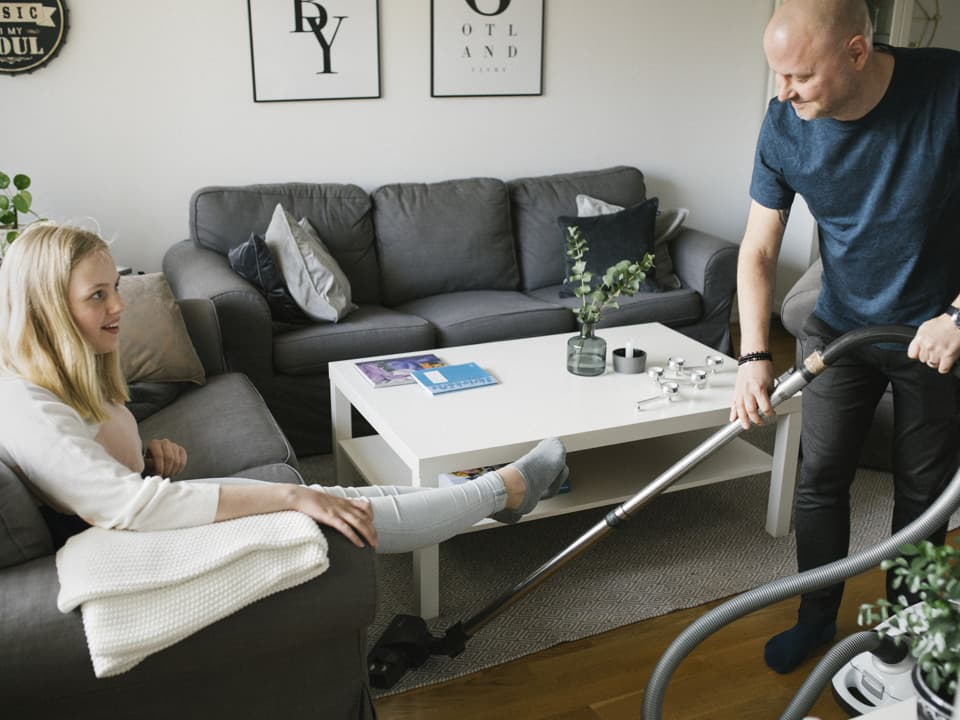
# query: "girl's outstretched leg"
408, 518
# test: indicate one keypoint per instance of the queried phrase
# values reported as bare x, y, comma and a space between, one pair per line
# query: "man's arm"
756, 274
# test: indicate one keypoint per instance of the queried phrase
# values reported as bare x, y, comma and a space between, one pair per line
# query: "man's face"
812, 76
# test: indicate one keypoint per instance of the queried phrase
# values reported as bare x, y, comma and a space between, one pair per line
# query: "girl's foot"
537, 475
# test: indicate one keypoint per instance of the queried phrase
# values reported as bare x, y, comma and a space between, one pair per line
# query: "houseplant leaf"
22, 201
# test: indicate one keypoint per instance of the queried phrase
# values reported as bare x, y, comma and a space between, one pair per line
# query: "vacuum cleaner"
874, 678
407, 641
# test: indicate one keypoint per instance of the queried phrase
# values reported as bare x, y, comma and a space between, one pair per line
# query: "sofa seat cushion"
537, 202
479, 316
368, 330
229, 420
673, 308
444, 237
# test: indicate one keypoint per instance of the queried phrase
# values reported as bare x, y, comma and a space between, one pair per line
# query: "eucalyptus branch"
622, 279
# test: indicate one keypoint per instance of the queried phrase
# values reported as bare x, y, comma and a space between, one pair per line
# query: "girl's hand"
352, 517
164, 458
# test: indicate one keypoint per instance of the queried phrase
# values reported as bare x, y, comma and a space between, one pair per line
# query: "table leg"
426, 561
426, 580
341, 417
783, 475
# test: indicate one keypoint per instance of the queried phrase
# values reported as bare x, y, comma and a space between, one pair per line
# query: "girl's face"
94, 301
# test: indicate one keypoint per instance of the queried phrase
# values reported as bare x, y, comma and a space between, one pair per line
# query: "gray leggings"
407, 518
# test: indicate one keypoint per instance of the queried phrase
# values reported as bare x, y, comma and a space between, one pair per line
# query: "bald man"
869, 137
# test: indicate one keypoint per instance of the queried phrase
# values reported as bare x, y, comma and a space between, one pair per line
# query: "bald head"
821, 53
819, 22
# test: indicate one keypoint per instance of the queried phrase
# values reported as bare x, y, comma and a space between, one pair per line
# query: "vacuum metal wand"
407, 642
786, 387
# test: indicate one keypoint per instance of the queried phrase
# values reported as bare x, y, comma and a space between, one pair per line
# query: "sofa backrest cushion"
223, 217
537, 202
444, 237
23, 532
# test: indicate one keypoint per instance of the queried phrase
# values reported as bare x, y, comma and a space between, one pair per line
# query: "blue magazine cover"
450, 378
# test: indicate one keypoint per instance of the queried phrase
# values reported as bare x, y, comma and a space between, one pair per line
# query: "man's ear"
858, 50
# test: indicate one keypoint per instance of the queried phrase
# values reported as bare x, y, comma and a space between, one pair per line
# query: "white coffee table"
614, 449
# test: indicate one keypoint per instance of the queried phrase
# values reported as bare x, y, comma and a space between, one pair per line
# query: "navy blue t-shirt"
884, 189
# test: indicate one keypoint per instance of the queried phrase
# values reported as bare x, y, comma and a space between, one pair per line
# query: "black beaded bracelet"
751, 357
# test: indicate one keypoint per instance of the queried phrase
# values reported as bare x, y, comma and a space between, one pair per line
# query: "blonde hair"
39, 340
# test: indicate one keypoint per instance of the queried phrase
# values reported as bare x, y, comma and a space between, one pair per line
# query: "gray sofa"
430, 265
297, 654
797, 306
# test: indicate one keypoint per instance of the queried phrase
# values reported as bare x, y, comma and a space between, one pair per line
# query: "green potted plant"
587, 353
931, 628
14, 202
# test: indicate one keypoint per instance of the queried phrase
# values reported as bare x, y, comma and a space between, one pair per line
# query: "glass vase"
587, 353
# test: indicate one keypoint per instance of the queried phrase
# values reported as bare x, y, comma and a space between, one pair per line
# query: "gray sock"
544, 470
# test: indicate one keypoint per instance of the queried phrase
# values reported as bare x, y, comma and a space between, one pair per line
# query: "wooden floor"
603, 677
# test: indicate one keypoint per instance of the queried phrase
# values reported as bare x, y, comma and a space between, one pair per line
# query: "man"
870, 138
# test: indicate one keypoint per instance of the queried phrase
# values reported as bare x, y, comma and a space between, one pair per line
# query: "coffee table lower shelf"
598, 476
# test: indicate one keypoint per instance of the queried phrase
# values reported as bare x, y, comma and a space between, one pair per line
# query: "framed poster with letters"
486, 47
314, 49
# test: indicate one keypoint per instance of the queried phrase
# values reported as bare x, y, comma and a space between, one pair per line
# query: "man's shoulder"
927, 59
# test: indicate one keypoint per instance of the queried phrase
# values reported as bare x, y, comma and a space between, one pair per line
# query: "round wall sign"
31, 33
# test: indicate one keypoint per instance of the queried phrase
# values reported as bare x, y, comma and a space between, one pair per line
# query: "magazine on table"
458, 477
450, 378
388, 372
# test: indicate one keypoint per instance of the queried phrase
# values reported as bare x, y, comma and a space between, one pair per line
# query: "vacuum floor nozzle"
407, 643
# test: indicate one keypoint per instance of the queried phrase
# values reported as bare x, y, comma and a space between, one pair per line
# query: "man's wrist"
954, 313
758, 356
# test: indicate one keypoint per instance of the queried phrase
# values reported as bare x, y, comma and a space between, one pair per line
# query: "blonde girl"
63, 424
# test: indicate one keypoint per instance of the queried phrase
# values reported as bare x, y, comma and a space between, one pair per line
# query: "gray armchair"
297, 654
797, 306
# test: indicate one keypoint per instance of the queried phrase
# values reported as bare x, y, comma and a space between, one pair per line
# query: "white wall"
148, 101
948, 31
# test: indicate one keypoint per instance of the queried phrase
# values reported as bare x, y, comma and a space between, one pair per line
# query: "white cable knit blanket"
141, 592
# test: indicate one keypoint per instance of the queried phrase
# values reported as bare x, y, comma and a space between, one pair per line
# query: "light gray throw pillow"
667, 226
312, 275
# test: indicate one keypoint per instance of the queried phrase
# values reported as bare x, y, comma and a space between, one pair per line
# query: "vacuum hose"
933, 518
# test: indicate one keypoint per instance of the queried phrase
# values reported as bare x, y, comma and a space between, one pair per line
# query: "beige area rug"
684, 549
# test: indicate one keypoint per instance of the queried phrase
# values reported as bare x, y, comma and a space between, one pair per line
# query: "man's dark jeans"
838, 407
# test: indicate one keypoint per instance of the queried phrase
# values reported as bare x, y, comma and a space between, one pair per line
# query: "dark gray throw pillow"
253, 261
626, 235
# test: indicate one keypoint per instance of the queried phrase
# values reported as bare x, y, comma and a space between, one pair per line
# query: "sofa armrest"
246, 329
200, 317
708, 264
